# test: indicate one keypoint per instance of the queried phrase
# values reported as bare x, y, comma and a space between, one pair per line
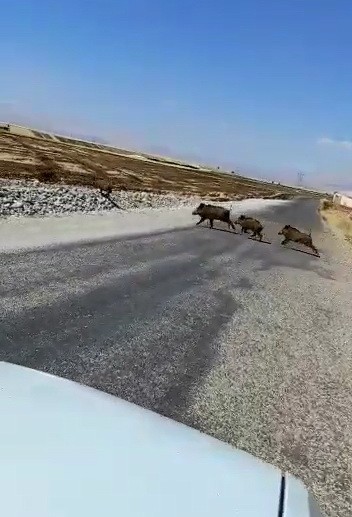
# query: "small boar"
248, 223
294, 235
213, 213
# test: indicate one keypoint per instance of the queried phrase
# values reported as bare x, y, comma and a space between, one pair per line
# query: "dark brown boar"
213, 213
253, 225
292, 234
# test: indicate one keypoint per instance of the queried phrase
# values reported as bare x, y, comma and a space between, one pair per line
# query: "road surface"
246, 341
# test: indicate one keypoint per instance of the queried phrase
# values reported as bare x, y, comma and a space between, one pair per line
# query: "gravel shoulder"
248, 342
34, 232
32, 198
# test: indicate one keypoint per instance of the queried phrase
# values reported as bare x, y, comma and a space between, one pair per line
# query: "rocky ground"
30, 198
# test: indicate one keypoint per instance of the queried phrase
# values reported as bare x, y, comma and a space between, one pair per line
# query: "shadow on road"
219, 230
260, 242
302, 251
279, 258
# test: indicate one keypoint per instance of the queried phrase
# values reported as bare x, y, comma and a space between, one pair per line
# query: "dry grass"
53, 161
340, 218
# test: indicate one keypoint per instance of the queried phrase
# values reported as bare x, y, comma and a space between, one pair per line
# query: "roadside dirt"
339, 219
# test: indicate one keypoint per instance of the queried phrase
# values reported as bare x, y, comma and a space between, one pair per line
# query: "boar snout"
283, 230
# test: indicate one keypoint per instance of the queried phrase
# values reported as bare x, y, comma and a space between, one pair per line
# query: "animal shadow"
257, 240
302, 251
219, 230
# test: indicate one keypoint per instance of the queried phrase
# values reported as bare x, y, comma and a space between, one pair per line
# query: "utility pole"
300, 176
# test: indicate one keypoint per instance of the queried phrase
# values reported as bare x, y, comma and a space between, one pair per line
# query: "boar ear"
202, 205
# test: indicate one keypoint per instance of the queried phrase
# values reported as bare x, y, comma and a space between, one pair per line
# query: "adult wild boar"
213, 213
253, 225
292, 234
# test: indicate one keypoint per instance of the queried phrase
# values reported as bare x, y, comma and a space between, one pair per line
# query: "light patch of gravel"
24, 198
282, 388
19, 233
32, 198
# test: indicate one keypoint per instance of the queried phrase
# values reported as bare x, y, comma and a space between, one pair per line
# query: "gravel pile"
23, 198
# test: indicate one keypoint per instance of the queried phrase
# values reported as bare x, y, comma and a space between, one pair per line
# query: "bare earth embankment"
339, 219
23, 158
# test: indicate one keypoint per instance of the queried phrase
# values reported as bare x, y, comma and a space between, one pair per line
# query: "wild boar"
213, 213
248, 223
292, 234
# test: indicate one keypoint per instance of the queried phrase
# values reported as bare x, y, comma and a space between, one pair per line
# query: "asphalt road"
246, 341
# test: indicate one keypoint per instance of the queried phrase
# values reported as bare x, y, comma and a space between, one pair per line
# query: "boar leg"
285, 241
200, 220
314, 249
311, 246
231, 225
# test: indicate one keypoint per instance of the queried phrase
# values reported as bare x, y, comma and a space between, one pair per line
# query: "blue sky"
262, 86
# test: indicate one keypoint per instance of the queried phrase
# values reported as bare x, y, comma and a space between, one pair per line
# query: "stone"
17, 205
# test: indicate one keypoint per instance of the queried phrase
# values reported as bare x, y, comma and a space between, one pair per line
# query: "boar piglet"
292, 234
253, 225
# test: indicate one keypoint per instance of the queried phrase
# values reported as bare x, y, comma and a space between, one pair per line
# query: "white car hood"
69, 451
